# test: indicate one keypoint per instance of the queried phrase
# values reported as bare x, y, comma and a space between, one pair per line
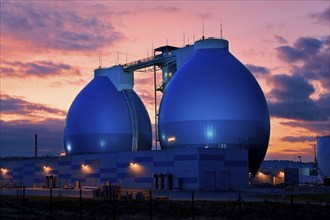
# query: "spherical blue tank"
214, 101
103, 119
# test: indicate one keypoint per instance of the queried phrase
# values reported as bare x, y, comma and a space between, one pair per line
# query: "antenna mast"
203, 30
221, 28
184, 38
100, 61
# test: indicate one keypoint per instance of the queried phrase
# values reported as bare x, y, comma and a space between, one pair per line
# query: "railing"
137, 62
159, 59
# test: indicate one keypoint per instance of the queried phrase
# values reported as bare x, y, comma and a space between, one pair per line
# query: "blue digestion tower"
107, 116
213, 101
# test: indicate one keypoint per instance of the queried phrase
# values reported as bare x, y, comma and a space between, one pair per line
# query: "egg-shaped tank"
323, 155
214, 101
103, 119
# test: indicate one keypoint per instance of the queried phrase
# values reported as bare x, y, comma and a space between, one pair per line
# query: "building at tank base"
206, 169
323, 158
285, 172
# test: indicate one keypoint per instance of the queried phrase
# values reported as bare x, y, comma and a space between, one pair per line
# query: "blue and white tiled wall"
189, 165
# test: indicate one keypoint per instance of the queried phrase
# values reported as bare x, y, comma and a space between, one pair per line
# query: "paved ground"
86, 193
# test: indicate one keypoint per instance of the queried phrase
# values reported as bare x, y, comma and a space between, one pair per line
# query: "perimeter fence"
109, 203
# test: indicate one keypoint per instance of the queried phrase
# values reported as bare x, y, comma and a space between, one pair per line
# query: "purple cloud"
39, 69
167, 8
314, 56
290, 98
319, 127
257, 70
322, 17
291, 88
293, 139
18, 106
303, 49
280, 39
49, 27
316, 63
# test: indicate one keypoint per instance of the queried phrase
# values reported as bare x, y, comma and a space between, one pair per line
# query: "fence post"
193, 205
240, 204
51, 202
291, 202
150, 204
23, 202
80, 204
113, 204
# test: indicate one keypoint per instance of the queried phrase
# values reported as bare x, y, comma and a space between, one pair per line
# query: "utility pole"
300, 175
36, 145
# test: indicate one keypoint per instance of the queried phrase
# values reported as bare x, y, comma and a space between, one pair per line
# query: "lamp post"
169, 140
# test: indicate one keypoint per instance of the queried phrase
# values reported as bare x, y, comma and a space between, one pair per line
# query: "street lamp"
169, 140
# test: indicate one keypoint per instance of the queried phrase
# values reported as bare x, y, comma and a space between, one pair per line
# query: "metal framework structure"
164, 59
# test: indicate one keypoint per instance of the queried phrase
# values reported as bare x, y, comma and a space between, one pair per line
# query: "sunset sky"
49, 50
